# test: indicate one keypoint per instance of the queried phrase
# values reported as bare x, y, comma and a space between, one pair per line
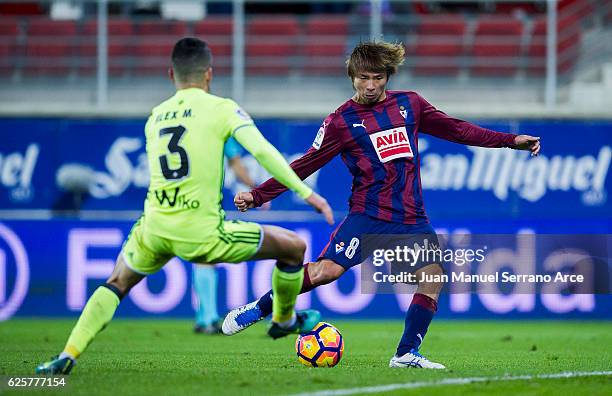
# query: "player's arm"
273, 161
437, 123
326, 146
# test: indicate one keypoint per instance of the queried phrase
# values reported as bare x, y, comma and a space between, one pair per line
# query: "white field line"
449, 381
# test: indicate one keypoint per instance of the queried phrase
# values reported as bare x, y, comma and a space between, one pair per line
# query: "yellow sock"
97, 313
285, 289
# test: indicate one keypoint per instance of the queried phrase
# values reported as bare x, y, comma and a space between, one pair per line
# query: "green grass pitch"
161, 357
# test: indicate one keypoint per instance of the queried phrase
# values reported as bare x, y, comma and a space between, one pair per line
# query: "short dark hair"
375, 57
190, 57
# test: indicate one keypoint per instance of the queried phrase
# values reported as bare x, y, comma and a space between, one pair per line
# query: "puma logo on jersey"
391, 144
360, 125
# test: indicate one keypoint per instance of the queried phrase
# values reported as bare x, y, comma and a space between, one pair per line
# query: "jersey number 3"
177, 133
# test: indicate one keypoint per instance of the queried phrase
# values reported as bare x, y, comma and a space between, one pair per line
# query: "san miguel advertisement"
495, 196
570, 179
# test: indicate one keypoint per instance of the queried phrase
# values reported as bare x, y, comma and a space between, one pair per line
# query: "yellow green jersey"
185, 136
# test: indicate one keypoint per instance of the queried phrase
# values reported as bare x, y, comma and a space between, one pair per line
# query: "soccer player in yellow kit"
183, 217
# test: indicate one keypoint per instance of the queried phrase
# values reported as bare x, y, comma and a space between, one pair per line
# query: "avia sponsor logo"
391, 144
501, 171
11, 300
16, 171
171, 198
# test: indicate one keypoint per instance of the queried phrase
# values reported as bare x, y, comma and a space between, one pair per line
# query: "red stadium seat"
220, 49
327, 58
117, 58
44, 57
6, 50
7, 62
269, 58
153, 47
9, 32
222, 57
116, 27
568, 42
285, 25
442, 25
217, 32
51, 29
437, 59
46, 49
120, 31
175, 29
9, 28
497, 47
332, 25
151, 55
536, 53
325, 44
214, 26
271, 43
439, 45
568, 45
50, 47
577, 8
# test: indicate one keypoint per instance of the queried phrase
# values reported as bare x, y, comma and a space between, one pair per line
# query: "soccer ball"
321, 347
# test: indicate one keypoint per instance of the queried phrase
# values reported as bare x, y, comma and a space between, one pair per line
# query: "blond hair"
375, 57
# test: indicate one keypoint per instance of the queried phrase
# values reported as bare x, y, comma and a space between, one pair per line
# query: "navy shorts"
358, 235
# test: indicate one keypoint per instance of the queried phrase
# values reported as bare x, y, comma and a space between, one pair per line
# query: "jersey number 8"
177, 133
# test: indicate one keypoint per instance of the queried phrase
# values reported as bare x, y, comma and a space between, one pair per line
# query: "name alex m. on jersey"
171, 198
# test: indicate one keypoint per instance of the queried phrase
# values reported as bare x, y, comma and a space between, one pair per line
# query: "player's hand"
526, 142
244, 201
320, 205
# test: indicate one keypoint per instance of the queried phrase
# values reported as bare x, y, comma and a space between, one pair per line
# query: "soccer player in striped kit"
376, 134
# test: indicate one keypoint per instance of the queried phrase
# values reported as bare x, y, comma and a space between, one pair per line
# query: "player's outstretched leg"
418, 317
97, 313
315, 274
288, 249
286, 284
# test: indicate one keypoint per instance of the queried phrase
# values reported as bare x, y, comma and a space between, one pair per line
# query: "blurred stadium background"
79, 78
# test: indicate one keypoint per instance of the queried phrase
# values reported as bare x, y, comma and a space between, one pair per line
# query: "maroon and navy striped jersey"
379, 145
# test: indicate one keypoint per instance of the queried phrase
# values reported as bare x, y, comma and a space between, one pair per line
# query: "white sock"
288, 323
66, 355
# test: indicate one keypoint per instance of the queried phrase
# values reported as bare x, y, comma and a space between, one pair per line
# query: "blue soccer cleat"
240, 318
56, 366
414, 359
306, 320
